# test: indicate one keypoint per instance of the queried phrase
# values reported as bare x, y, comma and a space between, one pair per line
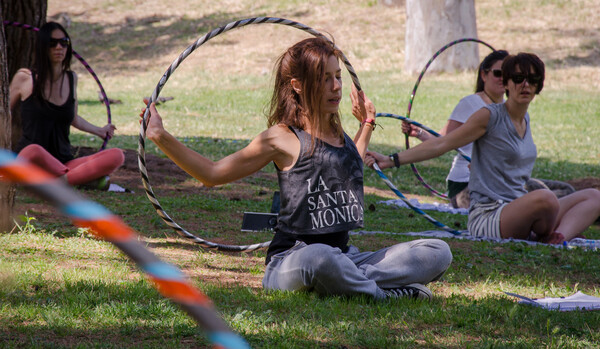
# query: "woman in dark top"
320, 175
48, 100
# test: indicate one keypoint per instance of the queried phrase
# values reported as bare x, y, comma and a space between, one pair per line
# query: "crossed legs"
552, 220
79, 171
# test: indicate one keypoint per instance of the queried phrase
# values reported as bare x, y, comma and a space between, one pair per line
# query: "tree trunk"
16, 51
7, 192
20, 43
430, 25
392, 3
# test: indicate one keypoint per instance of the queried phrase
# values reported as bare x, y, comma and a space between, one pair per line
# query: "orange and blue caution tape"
168, 279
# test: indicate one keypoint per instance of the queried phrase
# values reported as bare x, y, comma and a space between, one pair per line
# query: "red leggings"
79, 171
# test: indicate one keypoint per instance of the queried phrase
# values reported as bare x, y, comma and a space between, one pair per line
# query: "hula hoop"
411, 102
416, 209
168, 279
420, 125
85, 64
141, 145
393, 187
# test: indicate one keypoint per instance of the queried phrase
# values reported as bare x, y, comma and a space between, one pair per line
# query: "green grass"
77, 291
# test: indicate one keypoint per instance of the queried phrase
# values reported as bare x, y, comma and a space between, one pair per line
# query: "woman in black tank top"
320, 178
48, 101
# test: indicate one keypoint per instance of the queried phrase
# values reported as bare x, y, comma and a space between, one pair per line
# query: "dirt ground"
164, 171
128, 176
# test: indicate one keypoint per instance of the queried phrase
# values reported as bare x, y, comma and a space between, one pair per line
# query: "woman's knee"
116, 155
322, 259
109, 159
544, 202
32, 152
592, 197
591, 194
440, 253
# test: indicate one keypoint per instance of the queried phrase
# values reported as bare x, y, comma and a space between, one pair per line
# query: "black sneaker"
414, 291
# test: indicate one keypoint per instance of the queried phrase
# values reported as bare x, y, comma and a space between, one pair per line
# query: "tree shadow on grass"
148, 38
119, 315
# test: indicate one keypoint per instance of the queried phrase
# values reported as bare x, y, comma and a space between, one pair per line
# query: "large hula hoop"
85, 64
168, 279
141, 145
411, 102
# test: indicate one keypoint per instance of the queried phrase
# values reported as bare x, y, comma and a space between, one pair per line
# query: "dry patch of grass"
151, 34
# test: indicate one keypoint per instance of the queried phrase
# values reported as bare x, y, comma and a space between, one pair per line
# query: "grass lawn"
60, 287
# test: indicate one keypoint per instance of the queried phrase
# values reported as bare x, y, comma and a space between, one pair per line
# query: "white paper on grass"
118, 189
578, 301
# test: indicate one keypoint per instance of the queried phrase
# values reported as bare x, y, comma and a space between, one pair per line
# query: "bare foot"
553, 238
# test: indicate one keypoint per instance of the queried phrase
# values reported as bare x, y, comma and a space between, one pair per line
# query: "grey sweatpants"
326, 270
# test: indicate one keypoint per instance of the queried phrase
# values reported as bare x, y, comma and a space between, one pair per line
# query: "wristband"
369, 121
395, 159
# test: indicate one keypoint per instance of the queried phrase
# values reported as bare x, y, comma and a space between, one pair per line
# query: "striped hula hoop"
142, 137
85, 64
420, 125
416, 209
168, 279
411, 102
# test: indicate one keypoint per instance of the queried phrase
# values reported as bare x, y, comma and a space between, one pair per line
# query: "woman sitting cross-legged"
320, 172
48, 100
502, 160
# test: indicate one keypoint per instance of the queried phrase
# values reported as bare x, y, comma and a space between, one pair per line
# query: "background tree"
431, 24
16, 51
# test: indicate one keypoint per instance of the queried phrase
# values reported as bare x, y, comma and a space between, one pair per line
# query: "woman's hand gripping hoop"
141, 145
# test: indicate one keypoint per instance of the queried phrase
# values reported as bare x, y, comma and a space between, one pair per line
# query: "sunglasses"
531, 79
496, 72
63, 42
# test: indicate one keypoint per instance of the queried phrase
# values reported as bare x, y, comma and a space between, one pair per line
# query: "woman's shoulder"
21, 82
25, 71
473, 99
23, 74
279, 130
275, 134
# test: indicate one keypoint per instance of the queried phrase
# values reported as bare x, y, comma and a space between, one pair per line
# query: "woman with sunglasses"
488, 89
48, 101
502, 160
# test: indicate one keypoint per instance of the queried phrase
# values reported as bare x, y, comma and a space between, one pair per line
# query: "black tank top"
321, 196
48, 124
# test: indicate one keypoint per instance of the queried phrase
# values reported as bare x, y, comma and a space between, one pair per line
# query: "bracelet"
420, 132
394, 158
370, 122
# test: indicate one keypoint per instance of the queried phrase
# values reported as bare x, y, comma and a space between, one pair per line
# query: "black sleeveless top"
48, 124
321, 196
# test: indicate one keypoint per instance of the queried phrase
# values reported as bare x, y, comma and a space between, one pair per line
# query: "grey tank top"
323, 192
501, 161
